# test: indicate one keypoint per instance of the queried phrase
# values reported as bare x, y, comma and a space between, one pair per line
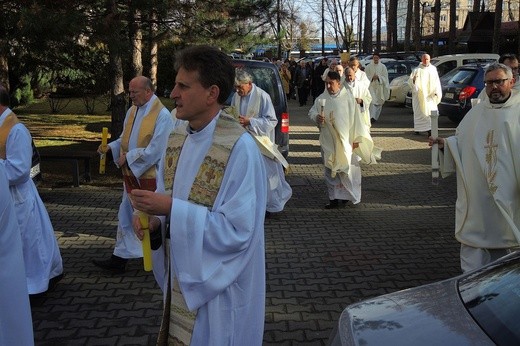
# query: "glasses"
495, 83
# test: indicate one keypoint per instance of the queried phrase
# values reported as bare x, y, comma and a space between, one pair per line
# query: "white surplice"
139, 161
15, 311
360, 91
485, 154
426, 95
344, 125
40, 248
379, 88
257, 105
218, 254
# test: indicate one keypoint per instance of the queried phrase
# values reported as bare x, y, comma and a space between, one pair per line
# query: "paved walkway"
318, 261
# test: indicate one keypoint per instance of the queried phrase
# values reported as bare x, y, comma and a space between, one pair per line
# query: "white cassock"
361, 77
360, 90
40, 248
379, 88
426, 95
139, 161
343, 126
257, 106
219, 253
485, 154
15, 311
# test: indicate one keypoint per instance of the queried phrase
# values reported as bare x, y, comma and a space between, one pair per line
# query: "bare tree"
476, 5
436, 27
452, 35
417, 24
497, 27
408, 25
378, 26
342, 21
391, 36
367, 35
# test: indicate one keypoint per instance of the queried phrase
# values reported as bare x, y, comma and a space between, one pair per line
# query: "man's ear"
214, 92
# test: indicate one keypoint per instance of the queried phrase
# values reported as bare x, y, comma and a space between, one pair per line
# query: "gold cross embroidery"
491, 160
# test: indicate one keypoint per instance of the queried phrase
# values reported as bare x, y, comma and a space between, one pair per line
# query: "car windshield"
459, 77
492, 297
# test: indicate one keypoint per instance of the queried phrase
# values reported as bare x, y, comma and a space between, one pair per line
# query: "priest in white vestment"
361, 76
485, 154
361, 94
42, 258
137, 152
15, 312
256, 113
345, 142
426, 94
379, 87
211, 264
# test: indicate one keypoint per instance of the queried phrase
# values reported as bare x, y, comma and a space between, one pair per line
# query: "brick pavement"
318, 261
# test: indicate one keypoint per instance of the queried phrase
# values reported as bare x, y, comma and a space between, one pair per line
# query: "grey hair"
242, 77
498, 66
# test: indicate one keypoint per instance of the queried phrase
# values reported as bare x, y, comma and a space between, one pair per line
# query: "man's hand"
151, 202
321, 119
103, 149
122, 160
153, 225
244, 121
437, 140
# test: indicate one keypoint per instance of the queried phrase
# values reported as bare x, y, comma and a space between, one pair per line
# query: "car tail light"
285, 123
466, 93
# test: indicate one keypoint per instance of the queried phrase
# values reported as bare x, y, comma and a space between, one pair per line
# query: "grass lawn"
70, 130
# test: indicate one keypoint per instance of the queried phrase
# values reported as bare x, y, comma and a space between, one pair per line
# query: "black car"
459, 86
398, 68
266, 77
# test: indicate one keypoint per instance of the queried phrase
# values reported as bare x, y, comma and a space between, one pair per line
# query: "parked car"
398, 89
446, 63
266, 77
459, 86
409, 55
397, 68
477, 308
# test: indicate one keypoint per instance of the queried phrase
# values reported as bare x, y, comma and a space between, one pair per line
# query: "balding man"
137, 152
426, 94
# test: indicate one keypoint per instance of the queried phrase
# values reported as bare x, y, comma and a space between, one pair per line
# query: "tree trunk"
452, 36
378, 26
417, 24
367, 37
408, 26
436, 27
4, 65
497, 26
476, 5
360, 23
136, 40
392, 26
152, 38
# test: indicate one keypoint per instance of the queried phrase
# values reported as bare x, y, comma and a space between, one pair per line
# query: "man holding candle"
484, 153
345, 142
211, 264
137, 152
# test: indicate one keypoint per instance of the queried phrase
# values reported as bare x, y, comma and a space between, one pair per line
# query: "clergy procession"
236, 244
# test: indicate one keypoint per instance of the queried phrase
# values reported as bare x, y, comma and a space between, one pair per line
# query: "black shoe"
417, 133
115, 264
333, 204
54, 281
267, 214
429, 133
343, 203
372, 120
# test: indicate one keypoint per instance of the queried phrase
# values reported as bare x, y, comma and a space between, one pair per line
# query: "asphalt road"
318, 261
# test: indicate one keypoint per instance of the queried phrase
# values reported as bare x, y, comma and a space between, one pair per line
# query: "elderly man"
211, 265
137, 152
379, 87
361, 94
345, 142
257, 116
484, 154
426, 94
42, 258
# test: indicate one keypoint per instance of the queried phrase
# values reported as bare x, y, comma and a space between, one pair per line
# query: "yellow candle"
147, 249
103, 158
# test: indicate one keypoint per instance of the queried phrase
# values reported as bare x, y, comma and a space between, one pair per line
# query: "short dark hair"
213, 66
507, 56
376, 53
334, 75
4, 96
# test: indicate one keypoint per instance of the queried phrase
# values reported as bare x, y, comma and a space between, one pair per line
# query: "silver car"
477, 308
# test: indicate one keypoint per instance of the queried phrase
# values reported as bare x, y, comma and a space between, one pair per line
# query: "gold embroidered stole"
6, 127
178, 322
147, 180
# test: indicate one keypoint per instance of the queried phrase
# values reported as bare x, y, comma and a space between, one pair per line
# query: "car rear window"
492, 297
461, 77
265, 79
